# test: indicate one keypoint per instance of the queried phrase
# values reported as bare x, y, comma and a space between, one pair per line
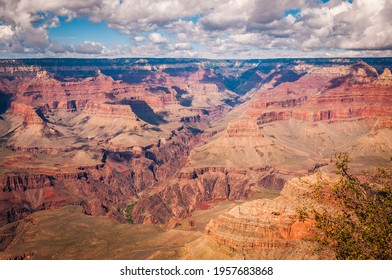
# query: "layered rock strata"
263, 229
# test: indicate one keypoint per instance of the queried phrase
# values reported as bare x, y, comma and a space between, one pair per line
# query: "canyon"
179, 158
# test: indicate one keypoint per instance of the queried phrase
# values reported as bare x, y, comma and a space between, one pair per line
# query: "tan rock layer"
264, 223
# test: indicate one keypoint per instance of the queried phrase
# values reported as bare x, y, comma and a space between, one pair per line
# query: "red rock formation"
264, 224
28, 113
191, 119
108, 110
22, 194
73, 95
178, 198
202, 88
44, 88
361, 93
103, 189
243, 128
385, 78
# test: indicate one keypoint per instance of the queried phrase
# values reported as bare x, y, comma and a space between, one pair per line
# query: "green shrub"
359, 226
127, 212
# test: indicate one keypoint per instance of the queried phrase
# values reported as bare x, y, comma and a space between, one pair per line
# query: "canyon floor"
180, 158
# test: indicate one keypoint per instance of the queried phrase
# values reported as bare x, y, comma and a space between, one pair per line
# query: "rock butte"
153, 141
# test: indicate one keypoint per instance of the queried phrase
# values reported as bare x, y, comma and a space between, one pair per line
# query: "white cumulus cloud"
157, 38
215, 28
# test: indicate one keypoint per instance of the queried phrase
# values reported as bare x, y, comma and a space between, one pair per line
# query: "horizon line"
196, 58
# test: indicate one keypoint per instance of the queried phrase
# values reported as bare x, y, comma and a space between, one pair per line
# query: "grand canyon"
164, 158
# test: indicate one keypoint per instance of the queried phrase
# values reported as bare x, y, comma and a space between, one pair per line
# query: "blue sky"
81, 29
211, 29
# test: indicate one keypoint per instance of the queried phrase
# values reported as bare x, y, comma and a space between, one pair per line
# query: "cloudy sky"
195, 28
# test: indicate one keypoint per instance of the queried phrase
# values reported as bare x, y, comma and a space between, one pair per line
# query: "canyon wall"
176, 135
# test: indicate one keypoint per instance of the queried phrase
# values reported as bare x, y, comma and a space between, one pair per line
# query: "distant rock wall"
357, 92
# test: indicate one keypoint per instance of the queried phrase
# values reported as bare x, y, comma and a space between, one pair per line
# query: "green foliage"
360, 224
127, 212
303, 213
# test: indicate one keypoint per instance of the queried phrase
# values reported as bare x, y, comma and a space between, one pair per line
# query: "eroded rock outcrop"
28, 113
178, 198
263, 228
263, 223
92, 108
243, 128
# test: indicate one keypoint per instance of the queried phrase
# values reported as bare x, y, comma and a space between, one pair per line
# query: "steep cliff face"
159, 90
28, 113
361, 93
263, 223
262, 229
92, 108
178, 198
45, 88
22, 194
243, 128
